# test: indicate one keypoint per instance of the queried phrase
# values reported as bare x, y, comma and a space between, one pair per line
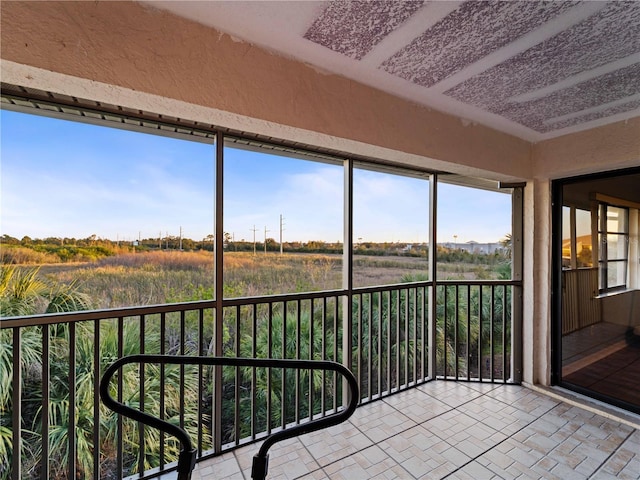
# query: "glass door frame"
557, 204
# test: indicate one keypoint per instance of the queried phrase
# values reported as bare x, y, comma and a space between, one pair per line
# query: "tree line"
29, 250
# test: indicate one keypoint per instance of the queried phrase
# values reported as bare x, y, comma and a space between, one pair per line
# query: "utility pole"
254, 239
180, 237
160, 240
265, 238
281, 228
166, 241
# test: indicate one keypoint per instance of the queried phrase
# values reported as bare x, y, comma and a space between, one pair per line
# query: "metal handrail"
187, 457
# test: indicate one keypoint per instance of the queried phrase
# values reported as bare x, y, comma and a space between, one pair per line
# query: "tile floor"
455, 431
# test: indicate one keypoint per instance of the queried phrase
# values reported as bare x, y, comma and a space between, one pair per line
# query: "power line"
254, 238
281, 228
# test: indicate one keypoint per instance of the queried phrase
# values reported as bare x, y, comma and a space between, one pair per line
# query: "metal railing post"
71, 435
433, 207
517, 252
16, 460
219, 293
46, 378
347, 275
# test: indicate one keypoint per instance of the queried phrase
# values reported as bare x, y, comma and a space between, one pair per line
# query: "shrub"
10, 255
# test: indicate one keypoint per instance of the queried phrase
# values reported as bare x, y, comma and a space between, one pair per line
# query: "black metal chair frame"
188, 454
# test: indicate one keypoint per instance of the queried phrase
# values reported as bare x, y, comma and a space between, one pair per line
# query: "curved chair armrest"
187, 458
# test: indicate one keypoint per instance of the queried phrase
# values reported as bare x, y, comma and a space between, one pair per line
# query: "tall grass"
25, 256
249, 275
148, 278
168, 260
164, 277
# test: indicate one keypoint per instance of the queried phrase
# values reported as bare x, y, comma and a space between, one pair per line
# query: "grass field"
173, 276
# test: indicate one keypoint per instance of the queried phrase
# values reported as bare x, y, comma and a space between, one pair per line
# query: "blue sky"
69, 179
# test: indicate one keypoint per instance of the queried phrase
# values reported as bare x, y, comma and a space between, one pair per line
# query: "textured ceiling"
533, 69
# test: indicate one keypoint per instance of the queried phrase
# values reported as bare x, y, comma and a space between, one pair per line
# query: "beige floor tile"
225, 467
476, 440
288, 459
421, 452
511, 456
497, 458
567, 473
335, 443
497, 415
625, 461
523, 399
317, 475
372, 462
450, 423
417, 405
590, 444
451, 393
379, 421
467, 434
481, 431
474, 471
484, 387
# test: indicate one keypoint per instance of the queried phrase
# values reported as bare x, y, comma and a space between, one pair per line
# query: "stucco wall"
536, 319
610, 147
605, 148
149, 51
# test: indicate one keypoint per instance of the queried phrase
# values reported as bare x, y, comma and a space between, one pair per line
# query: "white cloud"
115, 183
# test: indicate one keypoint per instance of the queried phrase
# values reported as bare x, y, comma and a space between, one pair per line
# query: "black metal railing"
390, 338
474, 330
51, 407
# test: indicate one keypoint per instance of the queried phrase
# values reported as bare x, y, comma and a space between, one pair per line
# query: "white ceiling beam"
546, 31
587, 111
575, 79
416, 25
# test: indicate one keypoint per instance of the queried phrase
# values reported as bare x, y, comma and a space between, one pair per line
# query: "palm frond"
67, 298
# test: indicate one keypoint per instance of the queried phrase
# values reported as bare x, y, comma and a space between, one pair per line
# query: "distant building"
475, 247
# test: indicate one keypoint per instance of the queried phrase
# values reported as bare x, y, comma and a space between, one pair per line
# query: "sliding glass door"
597, 286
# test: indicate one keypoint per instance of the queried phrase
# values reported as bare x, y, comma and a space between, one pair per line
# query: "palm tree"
30, 355
22, 293
269, 384
392, 345
507, 244
476, 307
173, 400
